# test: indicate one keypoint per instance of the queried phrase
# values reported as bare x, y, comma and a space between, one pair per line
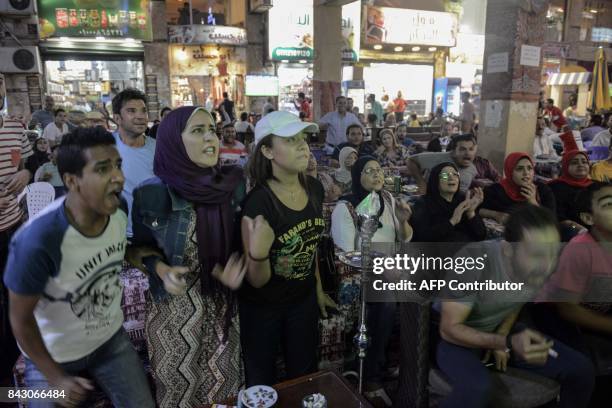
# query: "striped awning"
569, 78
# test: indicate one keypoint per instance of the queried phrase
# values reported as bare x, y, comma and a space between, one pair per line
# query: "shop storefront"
206, 61
400, 49
93, 50
291, 43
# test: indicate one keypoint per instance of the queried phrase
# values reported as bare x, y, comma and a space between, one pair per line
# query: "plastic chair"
38, 196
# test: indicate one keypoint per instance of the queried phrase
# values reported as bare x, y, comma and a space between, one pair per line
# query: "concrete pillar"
157, 63
156, 59
17, 96
257, 28
571, 29
510, 89
328, 58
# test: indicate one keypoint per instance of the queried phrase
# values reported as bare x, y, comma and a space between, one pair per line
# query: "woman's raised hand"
403, 211
475, 198
261, 236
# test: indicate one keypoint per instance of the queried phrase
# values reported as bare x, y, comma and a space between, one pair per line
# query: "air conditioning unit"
18, 7
260, 6
15, 60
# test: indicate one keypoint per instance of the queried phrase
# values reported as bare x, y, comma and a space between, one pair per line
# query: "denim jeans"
114, 367
472, 385
266, 328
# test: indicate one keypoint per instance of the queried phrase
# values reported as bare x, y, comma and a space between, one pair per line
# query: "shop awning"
91, 50
569, 78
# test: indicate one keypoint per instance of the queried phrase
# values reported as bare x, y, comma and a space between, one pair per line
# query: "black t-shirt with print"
292, 256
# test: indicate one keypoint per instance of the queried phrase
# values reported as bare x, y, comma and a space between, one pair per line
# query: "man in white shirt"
542, 144
603, 137
336, 123
55, 130
63, 280
243, 125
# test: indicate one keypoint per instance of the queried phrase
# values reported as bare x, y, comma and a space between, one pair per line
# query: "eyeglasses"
445, 175
373, 170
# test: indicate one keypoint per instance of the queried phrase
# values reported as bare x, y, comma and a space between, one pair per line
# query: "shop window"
206, 12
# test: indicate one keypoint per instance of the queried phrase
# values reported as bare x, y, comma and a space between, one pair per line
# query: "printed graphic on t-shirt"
92, 301
294, 253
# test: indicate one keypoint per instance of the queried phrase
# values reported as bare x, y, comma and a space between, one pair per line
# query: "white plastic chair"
38, 196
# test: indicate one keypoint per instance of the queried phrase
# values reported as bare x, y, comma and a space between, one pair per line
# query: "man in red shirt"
555, 114
400, 107
582, 285
302, 105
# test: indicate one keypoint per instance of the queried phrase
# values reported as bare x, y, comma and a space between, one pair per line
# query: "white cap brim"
288, 130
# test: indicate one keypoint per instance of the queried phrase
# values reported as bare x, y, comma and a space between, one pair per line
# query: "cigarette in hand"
553, 353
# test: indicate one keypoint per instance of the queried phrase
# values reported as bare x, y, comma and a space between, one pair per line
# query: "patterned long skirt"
190, 363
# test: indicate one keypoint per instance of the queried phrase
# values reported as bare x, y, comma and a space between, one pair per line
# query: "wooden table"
337, 391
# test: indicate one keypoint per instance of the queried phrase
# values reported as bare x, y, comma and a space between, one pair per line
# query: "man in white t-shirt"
603, 137
55, 130
243, 125
542, 144
63, 280
336, 123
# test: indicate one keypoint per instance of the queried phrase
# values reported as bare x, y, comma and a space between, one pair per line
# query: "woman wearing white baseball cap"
281, 227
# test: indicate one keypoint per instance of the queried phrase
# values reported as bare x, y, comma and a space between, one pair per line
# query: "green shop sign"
95, 18
293, 54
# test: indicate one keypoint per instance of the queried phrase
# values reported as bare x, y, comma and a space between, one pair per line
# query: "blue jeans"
114, 366
472, 385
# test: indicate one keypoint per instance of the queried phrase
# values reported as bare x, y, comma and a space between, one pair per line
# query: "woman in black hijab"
40, 156
444, 214
393, 216
367, 176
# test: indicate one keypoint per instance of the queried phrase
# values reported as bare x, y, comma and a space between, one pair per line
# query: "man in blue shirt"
136, 149
44, 116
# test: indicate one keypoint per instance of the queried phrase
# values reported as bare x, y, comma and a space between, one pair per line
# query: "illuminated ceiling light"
560, 9
398, 49
432, 49
415, 49
378, 47
181, 54
593, 11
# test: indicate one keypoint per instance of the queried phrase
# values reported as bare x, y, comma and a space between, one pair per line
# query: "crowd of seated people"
227, 236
